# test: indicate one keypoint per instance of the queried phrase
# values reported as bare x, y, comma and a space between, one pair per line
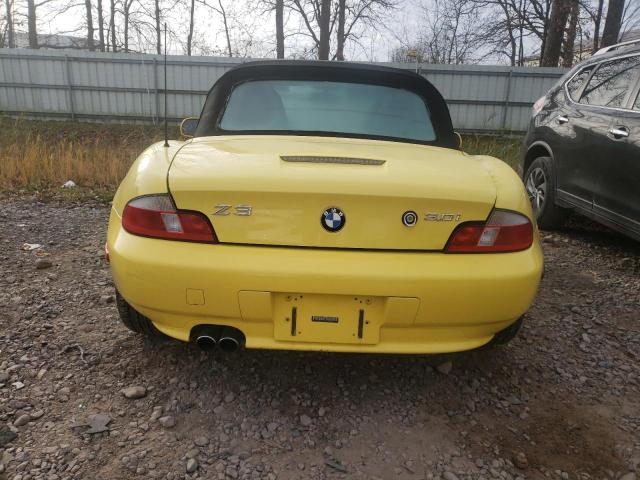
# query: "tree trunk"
545, 30
126, 8
226, 28
613, 23
324, 21
11, 41
568, 54
342, 6
158, 31
280, 28
100, 25
190, 36
596, 27
31, 21
512, 38
557, 22
90, 46
112, 26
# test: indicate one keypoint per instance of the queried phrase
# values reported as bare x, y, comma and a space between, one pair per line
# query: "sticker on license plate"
324, 319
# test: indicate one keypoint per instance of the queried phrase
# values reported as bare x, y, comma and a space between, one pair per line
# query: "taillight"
155, 216
504, 231
538, 106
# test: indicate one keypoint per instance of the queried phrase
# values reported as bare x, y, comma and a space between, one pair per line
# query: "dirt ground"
561, 401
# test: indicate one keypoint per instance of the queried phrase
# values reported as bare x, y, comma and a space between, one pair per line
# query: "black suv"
582, 150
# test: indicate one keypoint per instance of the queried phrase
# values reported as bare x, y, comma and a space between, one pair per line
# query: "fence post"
507, 94
155, 89
70, 87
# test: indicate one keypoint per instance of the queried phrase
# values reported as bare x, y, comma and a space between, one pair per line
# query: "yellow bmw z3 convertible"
323, 206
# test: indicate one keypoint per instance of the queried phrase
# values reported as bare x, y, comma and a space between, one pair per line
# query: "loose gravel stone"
305, 420
168, 421
192, 465
22, 420
42, 264
134, 392
445, 368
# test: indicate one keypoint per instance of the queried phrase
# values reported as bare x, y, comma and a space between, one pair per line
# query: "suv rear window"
325, 106
611, 83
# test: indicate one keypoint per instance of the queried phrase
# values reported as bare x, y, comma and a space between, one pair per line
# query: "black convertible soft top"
217, 97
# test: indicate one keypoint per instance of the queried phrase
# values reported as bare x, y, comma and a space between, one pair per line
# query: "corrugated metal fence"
129, 87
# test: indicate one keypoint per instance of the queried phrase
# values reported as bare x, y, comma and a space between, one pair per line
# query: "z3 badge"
240, 210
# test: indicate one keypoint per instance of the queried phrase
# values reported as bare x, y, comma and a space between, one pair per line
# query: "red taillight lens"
155, 216
505, 231
538, 106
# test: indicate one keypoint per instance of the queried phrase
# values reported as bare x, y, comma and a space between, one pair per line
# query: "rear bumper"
426, 302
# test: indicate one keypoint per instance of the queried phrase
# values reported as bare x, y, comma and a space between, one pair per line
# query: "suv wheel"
539, 180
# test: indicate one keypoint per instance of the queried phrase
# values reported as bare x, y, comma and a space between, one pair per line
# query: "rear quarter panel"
147, 175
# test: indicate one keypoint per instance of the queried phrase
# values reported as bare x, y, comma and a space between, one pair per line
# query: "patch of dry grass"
39, 156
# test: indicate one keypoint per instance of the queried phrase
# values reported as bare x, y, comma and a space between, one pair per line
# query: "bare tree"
126, 13
279, 8
319, 17
192, 9
10, 36
597, 19
568, 53
342, 13
453, 32
324, 21
223, 12
112, 26
220, 10
90, 44
31, 24
630, 17
557, 23
100, 25
613, 23
156, 18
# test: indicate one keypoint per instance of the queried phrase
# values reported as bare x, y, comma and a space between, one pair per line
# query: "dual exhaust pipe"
227, 339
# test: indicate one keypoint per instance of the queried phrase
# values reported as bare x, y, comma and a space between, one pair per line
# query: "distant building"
584, 50
52, 41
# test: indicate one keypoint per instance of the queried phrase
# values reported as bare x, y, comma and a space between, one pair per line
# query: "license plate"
327, 318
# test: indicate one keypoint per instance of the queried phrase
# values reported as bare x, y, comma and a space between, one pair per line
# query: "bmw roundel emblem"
333, 219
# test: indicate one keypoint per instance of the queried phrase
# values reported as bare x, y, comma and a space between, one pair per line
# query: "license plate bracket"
319, 318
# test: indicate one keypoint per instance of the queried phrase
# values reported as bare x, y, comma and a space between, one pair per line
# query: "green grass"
504, 147
37, 157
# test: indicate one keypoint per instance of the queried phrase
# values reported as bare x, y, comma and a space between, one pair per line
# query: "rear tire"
540, 183
505, 336
133, 320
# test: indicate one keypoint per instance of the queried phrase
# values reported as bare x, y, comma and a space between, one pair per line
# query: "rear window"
328, 107
611, 83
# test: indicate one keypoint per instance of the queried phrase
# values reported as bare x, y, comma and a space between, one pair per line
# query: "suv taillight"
156, 216
504, 231
538, 106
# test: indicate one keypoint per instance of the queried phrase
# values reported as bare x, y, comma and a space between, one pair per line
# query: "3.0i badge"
333, 219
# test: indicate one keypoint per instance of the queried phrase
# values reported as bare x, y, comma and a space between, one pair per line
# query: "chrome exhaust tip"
229, 344
231, 340
206, 343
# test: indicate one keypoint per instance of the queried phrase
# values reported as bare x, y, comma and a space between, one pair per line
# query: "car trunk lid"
275, 190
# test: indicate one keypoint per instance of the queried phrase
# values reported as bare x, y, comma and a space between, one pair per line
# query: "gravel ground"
561, 401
